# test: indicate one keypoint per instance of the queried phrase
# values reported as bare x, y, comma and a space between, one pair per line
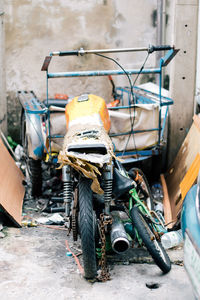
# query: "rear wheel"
87, 227
154, 247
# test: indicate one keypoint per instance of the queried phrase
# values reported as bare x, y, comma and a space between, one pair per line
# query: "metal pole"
159, 54
81, 51
102, 73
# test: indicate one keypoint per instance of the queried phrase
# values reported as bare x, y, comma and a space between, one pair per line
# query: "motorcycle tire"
87, 228
145, 186
34, 167
154, 247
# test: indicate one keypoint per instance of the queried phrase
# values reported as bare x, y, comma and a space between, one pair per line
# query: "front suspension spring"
67, 188
68, 195
108, 191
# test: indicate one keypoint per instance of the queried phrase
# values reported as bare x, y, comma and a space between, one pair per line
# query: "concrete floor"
34, 265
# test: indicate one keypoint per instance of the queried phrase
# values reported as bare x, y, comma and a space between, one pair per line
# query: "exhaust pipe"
118, 236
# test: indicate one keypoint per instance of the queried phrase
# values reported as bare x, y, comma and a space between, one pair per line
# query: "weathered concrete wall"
35, 28
3, 104
183, 72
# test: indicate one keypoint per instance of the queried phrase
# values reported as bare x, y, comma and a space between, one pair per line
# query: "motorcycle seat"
88, 148
121, 183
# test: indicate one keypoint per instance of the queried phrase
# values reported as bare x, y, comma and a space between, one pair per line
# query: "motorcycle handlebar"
66, 53
160, 48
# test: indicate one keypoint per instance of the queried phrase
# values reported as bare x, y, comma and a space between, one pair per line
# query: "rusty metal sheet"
46, 63
11, 187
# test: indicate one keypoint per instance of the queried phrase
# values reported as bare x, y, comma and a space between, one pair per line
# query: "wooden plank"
11, 188
184, 159
166, 203
196, 120
190, 177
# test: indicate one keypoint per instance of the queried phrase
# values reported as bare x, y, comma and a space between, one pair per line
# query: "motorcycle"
103, 188
97, 189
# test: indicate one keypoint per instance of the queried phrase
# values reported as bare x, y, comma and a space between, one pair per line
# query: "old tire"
87, 228
154, 247
35, 169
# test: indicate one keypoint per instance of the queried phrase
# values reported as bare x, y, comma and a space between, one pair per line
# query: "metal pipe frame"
102, 73
163, 62
82, 51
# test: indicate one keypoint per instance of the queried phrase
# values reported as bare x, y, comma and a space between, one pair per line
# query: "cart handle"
160, 48
82, 52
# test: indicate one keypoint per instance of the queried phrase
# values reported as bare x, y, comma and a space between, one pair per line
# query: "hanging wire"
133, 100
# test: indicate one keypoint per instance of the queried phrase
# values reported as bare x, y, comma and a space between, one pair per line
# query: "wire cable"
132, 120
133, 100
125, 72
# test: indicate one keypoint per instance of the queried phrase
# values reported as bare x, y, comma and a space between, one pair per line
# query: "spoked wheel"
87, 228
34, 167
154, 247
142, 181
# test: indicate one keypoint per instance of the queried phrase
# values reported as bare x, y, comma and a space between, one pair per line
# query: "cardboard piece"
11, 188
186, 158
190, 177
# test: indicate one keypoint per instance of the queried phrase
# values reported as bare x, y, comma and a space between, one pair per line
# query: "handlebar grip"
159, 48
68, 53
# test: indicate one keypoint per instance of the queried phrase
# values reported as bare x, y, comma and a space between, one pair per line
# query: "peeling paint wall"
35, 28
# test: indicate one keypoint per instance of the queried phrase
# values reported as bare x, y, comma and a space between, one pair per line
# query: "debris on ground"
56, 219
153, 285
157, 192
37, 210
29, 223
172, 239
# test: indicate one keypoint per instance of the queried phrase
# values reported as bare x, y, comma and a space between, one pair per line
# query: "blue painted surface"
165, 101
39, 151
102, 73
189, 218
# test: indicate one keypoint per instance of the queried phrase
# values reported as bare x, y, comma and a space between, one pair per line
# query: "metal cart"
37, 113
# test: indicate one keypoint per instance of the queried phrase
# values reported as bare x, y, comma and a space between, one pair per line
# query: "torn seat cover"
87, 148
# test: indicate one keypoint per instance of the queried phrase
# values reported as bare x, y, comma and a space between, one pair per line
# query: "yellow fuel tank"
87, 109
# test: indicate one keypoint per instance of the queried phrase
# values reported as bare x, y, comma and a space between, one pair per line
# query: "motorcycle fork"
67, 188
108, 182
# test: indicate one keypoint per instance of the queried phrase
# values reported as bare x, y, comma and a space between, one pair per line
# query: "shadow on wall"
13, 117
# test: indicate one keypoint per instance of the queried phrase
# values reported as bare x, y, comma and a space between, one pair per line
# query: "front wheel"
144, 191
87, 228
154, 247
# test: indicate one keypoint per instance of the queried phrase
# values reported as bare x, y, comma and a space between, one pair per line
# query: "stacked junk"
88, 164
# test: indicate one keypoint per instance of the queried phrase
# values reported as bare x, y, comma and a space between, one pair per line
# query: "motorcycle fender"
35, 136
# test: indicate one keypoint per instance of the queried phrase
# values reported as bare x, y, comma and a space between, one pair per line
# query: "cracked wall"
35, 28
